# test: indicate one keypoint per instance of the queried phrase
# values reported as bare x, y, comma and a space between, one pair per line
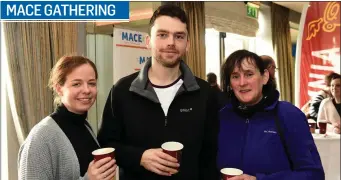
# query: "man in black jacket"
163, 102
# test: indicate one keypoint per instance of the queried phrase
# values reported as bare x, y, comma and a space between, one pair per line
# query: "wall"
212, 52
100, 50
13, 146
230, 17
264, 34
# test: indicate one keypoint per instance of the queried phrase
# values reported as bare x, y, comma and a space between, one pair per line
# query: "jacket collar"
268, 108
142, 86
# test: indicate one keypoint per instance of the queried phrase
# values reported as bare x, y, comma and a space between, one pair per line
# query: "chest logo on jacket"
270, 132
186, 110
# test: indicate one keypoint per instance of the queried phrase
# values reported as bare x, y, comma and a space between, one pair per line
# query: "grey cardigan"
48, 154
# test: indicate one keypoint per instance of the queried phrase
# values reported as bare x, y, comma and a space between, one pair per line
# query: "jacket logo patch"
269, 131
186, 110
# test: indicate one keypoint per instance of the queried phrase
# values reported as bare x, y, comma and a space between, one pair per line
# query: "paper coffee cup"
312, 125
229, 173
103, 153
323, 127
174, 149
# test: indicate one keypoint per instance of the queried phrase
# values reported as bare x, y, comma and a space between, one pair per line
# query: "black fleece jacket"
133, 121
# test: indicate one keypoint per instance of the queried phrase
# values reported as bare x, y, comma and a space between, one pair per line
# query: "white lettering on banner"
332, 55
48, 10
316, 84
327, 55
63, 10
29, 10
317, 76
11, 9
58, 12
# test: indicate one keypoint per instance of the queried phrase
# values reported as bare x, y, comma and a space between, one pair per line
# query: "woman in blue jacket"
266, 138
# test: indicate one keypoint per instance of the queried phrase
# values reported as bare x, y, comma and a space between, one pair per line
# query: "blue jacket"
254, 146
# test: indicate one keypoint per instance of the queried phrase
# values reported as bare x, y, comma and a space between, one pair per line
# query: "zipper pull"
247, 121
165, 121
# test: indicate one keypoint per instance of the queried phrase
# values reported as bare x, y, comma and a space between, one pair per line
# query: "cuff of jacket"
130, 158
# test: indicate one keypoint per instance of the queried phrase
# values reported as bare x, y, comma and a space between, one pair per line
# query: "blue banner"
65, 10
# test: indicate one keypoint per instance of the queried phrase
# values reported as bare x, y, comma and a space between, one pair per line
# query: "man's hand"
159, 162
243, 177
104, 169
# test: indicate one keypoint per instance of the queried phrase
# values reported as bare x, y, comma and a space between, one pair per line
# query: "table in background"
329, 150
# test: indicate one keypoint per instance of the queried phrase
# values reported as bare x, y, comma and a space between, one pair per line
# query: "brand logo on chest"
186, 110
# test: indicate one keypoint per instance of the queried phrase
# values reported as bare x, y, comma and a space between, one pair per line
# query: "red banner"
320, 51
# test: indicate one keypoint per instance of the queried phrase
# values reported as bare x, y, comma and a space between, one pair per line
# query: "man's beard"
168, 64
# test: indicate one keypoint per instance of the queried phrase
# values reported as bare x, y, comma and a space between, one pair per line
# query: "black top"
74, 127
337, 106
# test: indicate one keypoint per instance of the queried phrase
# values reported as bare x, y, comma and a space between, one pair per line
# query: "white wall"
13, 146
264, 34
212, 52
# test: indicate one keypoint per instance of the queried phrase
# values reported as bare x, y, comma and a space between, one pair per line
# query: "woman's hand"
103, 169
336, 128
243, 177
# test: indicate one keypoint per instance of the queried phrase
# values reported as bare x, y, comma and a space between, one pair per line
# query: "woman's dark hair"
235, 60
328, 78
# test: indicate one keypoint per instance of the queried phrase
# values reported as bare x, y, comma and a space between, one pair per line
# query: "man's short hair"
211, 78
171, 11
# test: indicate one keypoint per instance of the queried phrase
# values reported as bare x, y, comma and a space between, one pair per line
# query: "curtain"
32, 50
282, 47
195, 57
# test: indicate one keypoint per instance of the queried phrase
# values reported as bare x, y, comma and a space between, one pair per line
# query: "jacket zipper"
165, 121
245, 140
169, 108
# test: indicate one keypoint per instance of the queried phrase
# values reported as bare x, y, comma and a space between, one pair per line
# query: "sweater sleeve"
322, 114
111, 132
35, 161
302, 150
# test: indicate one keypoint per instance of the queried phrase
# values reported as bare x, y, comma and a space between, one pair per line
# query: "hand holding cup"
155, 160
104, 164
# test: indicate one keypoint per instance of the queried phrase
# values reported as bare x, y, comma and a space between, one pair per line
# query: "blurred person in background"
330, 108
270, 65
316, 100
212, 80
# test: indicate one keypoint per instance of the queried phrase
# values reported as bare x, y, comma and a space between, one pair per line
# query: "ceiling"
107, 29
295, 6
